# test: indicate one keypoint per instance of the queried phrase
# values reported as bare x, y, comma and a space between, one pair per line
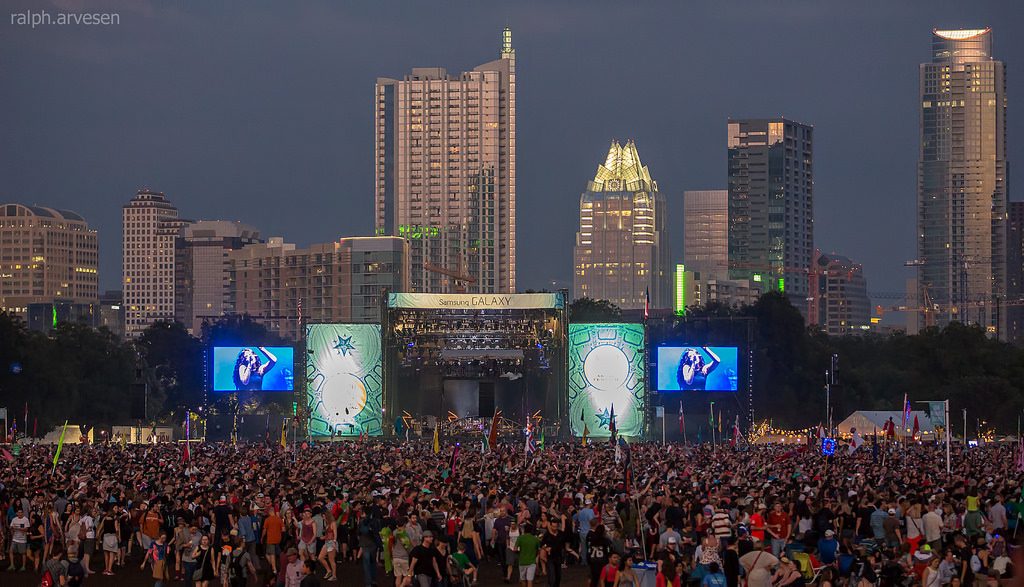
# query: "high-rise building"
622, 248
201, 269
1015, 272
282, 287
771, 204
47, 256
706, 232
842, 296
150, 226
962, 181
445, 176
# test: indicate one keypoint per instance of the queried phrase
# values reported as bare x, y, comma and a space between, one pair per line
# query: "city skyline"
236, 131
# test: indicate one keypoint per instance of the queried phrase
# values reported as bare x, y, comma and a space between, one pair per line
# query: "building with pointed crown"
622, 248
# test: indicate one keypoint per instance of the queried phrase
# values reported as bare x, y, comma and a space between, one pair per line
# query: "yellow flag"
437, 444
586, 433
124, 441
284, 436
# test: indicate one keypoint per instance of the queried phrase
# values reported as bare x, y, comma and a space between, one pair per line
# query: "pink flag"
10, 457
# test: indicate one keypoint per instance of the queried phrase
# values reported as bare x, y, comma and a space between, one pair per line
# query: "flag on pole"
711, 416
124, 441
586, 433
736, 431
284, 435
398, 426
60, 445
916, 428
7, 454
906, 414
855, 442
492, 436
542, 439
682, 426
611, 424
618, 453
719, 420
647, 303
821, 431
187, 455
437, 441
529, 439
874, 445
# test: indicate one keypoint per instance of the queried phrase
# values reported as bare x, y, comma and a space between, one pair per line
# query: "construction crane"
813, 272
459, 277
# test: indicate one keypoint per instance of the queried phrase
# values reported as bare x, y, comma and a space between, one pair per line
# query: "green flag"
60, 445
937, 413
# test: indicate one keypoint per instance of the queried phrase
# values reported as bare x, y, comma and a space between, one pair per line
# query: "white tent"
867, 422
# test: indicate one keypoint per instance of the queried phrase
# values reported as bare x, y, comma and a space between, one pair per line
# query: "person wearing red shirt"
779, 524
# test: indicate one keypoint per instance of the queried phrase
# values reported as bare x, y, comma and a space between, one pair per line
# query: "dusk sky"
263, 111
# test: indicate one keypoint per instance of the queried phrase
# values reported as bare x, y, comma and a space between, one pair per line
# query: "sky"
262, 112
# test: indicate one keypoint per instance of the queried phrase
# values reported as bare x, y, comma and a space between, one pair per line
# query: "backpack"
235, 568
76, 574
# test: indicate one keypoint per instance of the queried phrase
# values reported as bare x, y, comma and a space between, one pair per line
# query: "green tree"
175, 360
591, 310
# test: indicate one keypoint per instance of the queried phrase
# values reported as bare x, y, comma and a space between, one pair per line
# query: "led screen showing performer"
693, 368
253, 368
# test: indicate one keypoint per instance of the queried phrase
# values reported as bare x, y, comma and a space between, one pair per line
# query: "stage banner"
606, 375
345, 384
476, 301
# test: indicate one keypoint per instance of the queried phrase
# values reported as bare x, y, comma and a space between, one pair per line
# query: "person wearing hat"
891, 526
291, 573
828, 548
788, 575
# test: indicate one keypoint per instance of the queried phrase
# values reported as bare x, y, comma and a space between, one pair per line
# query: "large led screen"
345, 384
697, 368
606, 374
253, 368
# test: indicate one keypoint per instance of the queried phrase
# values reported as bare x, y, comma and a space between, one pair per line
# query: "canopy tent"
867, 422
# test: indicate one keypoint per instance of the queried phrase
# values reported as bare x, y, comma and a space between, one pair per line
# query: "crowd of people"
698, 515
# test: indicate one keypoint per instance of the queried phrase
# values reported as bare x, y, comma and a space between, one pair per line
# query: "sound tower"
486, 399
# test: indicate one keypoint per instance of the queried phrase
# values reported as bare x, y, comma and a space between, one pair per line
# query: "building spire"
506, 42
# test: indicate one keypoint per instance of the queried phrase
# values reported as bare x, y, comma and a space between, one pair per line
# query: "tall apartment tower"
706, 232
201, 270
622, 248
771, 204
445, 177
962, 182
150, 226
47, 256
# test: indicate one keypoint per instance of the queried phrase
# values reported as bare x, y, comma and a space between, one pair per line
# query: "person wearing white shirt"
19, 538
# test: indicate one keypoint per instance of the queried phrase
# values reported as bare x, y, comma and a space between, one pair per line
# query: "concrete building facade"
283, 287
445, 176
201, 270
150, 226
842, 297
47, 256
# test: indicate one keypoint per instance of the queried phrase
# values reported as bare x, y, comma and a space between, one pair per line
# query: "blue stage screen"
253, 368
694, 368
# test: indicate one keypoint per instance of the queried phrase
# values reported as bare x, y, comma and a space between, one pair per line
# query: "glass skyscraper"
771, 205
962, 176
622, 248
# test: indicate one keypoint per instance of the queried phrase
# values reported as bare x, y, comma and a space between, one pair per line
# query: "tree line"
84, 375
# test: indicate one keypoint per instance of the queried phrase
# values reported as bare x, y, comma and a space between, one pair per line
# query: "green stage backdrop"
606, 369
345, 384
